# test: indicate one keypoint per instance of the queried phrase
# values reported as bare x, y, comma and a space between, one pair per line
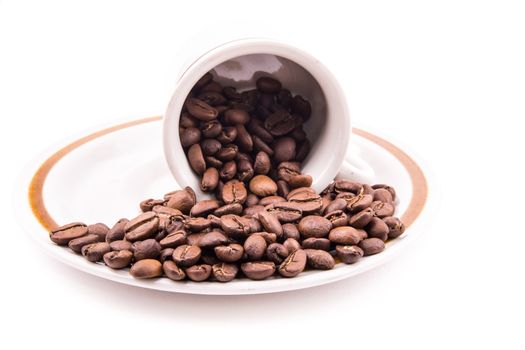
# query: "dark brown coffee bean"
269, 237
95, 251
118, 259
231, 94
197, 224
261, 146
300, 180
99, 229
147, 268
190, 136
381, 209
165, 214
224, 272
285, 211
236, 116
147, 249
316, 243
212, 98
235, 226
361, 219
186, 255
396, 226
212, 239
251, 200
258, 270
377, 228
291, 231
227, 153
298, 134
227, 135
244, 140
210, 180
194, 238
117, 232
182, 200
302, 150
212, 86
253, 210
344, 235
211, 129
256, 127
292, 244
283, 188
172, 271
204, 207
383, 195
319, 259
271, 223
148, 204
254, 247
187, 121
120, 245
77, 243
205, 79
337, 218
349, 254
372, 246
142, 227
284, 97
268, 85
336, 204
228, 171
262, 163
63, 234
244, 170
284, 149
309, 202
263, 186
348, 186
276, 252
173, 239
294, 264
386, 187
281, 123
286, 170
166, 254
200, 109
314, 226
210, 147
213, 162
234, 192
359, 203
198, 273
196, 159
233, 208
301, 106
229, 253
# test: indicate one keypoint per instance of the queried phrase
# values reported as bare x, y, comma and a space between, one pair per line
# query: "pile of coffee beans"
265, 219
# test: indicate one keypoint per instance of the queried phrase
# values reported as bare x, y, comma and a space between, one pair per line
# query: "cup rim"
218, 54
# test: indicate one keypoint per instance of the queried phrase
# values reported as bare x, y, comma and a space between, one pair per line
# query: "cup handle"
355, 168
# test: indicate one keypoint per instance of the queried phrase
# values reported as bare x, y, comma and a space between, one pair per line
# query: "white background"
445, 78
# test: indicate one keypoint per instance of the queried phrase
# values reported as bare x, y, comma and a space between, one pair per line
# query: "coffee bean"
229, 253
197, 224
302, 151
227, 135
388, 188
210, 147
381, 209
210, 180
281, 123
254, 247
377, 228
395, 226
284, 149
117, 232
282, 188
344, 235
228, 152
301, 106
148, 204
268, 85
253, 210
212, 86
270, 223
359, 203
235, 226
236, 116
228, 171
251, 200
263, 186
118, 259
212, 98
349, 254
231, 94
211, 129
244, 170
291, 231
147, 249
166, 254
261, 146
200, 109
186, 255
314, 226
99, 229
300, 180
256, 127
372, 246
316, 243
309, 202
284, 97
276, 252
294, 264
336, 204
383, 195
233, 208
292, 244
120, 245
198, 273
147, 268
361, 219
190, 136
95, 251
258, 270
234, 192
142, 227
205, 79
224, 272
286, 170
212, 239
348, 186
269, 237
337, 218
172, 271
204, 207
182, 200
77, 243
319, 259
262, 163
187, 121
63, 234
196, 159
213, 162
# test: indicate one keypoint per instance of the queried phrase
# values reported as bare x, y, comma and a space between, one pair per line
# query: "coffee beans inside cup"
264, 220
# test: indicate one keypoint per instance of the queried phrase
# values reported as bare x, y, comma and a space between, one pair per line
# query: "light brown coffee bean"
118, 259
95, 251
198, 273
147, 249
63, 234
224, 272
142, 227
77, 243
314, 226
172, 271
258, 270
254, 247
263, 186
186, 255
344, 235
294, 264
229, 253
147, 268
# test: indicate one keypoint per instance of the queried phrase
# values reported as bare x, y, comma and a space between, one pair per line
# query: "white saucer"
103, 176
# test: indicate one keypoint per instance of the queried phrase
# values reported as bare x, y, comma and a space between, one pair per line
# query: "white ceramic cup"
240, 63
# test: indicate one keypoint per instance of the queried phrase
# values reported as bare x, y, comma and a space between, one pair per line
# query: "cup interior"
241, 64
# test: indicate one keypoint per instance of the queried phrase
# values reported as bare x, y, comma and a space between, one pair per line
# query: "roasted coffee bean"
386, 187
198, 273
301, 106
187, 121
186, 255
233, 208
372, 246
117, 232
269, 237
276, 252
231, 94
212, 86
316, 243
349, 254
235, 226
319, 259
194, 238
300, 180
211, 129
234, 192
298, 134
147, 249
258, 270
265, 201
99, 229
336, 204
212, 239
172, 271
285, 211
213, 162
120, 245
95, 251
227, 135
359, 203
253, 210
271, 223
344, 235
196, 159
291, 231
244, 170
224, 272
228, 152
283, 188
348, 186
263, 186
383, 195
182, 200
200, 109
236, 116
210, 147
147, 268
377, 228
262, 163
308, 202
204, 207
291, 244
251, 200
212, 98
229, 253
337, 218
261, 146
281, 123
381, 209
204, 80
210, 180
286, 170
142, 227
361, 219
244, 140
118, 259
77, 243
294, 264
284, 149
256, 127
268, 85
254, 247
197, 224
284, 97
148, 204
190, 136
228, 171
303, 149
395, 226
166, 254
63, 234
314, 226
